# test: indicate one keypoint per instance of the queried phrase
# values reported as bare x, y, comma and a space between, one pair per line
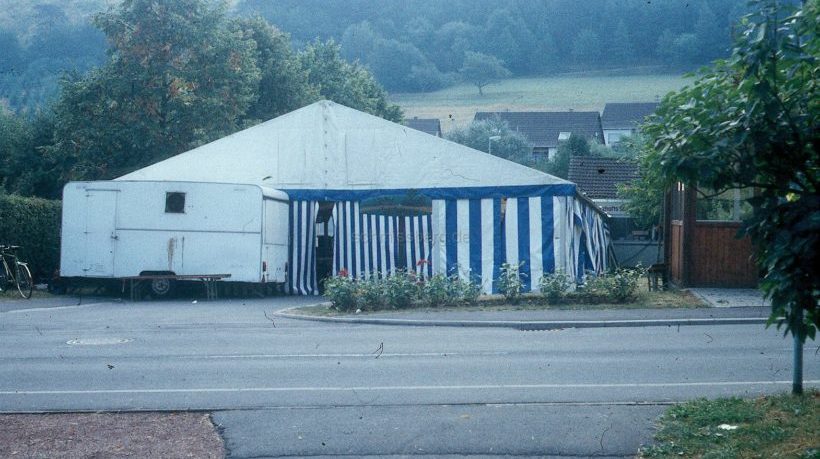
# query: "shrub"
371, 294
342, 292
619, 286
509, 282
441, 290
466, 291
597, 286
435, 291
554, 286
400, 289
33, 224
625, 283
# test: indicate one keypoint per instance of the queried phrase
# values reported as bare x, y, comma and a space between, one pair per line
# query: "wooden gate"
705, 253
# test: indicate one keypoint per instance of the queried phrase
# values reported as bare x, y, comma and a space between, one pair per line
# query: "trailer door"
275, 244
100, 235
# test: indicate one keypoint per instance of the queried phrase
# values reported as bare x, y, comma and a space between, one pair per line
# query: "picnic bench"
209, 280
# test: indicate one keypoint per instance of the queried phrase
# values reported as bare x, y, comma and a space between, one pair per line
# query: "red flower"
343, 272
422, 262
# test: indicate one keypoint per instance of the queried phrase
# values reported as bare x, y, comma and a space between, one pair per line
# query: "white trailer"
122, 229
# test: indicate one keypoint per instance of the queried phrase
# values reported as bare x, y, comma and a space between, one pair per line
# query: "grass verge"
781, 426
534, 302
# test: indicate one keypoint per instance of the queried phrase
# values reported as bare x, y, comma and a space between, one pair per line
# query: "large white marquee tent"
484, 211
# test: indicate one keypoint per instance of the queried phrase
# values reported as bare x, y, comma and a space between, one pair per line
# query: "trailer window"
174, 203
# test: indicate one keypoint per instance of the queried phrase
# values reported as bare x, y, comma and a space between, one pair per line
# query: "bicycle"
15, 271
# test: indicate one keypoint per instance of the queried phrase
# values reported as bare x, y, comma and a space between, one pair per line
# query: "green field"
456, 105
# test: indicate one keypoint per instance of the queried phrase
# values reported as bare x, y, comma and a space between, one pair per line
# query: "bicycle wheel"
24, 282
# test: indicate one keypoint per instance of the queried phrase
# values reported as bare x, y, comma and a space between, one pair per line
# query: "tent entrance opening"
324, 242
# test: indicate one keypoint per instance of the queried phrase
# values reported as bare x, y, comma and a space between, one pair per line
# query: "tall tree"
178, 75
709, 35
452, 40
621, 51
644, 195
586, 47
481, 70
358, 41
283, 86
507, 37
753, 121
494, 136
12, 55
25, 168
346, 83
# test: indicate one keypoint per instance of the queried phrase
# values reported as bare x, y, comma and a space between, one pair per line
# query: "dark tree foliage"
346, 83
179, 74
283, 85
753, 121
494, 136
25, 166
38, 42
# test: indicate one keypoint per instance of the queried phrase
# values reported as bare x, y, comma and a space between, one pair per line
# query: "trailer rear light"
264, 266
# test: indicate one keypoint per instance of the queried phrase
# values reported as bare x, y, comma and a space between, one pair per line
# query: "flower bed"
404, 290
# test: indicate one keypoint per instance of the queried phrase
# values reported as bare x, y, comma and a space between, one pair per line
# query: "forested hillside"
417, 45
39, 41
409, 45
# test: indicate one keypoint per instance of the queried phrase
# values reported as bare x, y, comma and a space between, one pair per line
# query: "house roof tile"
431, 126
542, 128
626, 115
598, 177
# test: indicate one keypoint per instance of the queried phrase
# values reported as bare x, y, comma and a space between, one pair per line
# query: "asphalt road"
280, 387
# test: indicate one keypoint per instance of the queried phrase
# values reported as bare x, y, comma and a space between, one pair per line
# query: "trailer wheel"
161, 288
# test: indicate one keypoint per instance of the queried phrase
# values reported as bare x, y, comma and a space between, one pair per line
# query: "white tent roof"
333, 147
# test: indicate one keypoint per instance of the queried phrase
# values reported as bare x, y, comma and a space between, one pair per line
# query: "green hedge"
33, 224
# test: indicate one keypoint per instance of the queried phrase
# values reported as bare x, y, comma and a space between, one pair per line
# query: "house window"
174, 202
564, 135
614, 137
731, 205
541, 154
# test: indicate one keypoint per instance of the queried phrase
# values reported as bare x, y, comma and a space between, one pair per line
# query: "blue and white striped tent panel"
592, 228
367, 244
566, 257
471, 238
347, 242
302, 247
418, 244
378, 234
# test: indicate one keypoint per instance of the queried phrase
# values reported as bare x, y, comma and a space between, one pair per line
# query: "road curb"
527, 325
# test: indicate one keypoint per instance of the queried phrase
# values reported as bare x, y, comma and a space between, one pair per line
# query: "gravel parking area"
109, 435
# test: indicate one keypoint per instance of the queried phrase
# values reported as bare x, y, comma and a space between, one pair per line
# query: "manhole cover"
97, 341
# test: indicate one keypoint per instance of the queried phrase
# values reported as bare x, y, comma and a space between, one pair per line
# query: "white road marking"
50, 309
268, 356
365, 355
208, 390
